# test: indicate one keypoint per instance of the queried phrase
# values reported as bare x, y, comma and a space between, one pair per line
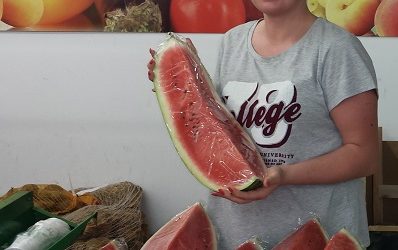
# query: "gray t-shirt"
284, 103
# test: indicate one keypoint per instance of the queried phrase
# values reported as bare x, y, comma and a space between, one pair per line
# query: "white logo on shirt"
267, 111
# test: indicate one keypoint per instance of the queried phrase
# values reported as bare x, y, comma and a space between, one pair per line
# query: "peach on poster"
356, 16
1, 8
22, 13
76, 23
323, 3
316, 8
386, 19
56, 11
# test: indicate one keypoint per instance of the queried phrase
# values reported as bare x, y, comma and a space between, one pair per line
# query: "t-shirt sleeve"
347, 71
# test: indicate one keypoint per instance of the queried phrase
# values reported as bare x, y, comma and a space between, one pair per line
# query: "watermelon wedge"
343, 240
116, 244
251, 244
310, 236
191, 229
211, 143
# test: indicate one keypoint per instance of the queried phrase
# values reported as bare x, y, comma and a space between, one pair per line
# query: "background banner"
360, 17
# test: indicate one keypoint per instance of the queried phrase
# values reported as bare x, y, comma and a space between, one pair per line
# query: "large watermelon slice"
310, 236
211, 143
191, 229
251, 244
343, 240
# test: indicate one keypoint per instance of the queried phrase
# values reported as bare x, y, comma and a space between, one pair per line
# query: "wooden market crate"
382, 198
382, 187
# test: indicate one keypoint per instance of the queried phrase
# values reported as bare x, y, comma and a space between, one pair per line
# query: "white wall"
384, 53
79, 106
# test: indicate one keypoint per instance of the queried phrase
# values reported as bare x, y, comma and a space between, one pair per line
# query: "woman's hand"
272, 180
151, 65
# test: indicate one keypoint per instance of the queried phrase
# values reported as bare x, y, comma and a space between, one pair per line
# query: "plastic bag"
212, 144
41, 235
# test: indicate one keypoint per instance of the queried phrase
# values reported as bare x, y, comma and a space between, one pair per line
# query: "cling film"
211, 143
254, 243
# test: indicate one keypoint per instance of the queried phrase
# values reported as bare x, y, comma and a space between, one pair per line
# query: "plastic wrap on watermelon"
211, 143
253, 243
190, 229
116, 244
310, 236
343, 239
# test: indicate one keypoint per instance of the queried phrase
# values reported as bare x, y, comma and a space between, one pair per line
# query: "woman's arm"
356, 120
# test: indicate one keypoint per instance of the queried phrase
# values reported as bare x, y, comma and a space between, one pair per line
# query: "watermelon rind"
254, 242
176, 40
324, 233
349, 236
352, 238
253, 185
176, 217
288, 238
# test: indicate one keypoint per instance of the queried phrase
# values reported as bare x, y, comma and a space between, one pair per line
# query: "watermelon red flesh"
251, 244
191, 229
110, 246
115, 244
310, 236
212, 144
343, 240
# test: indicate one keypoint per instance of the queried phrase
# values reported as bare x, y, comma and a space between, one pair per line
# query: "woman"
317, 129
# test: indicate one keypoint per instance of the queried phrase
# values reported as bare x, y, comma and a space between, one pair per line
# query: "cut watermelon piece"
116, 244
211, 143
251, 244
310, 236
343, 240
110, 246
191, 229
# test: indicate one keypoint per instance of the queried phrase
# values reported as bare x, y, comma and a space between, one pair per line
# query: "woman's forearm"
350, 161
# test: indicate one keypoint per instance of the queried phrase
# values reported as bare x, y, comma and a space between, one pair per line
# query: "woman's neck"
291, 26
276, 34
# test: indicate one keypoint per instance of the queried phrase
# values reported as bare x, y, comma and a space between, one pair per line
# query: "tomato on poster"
206, 16
252, 13
1, 8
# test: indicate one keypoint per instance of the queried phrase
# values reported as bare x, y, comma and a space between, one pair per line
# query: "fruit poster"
360, 17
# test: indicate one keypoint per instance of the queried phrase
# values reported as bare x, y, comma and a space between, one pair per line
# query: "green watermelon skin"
190, 229
310, 236
211, 143
343, 240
